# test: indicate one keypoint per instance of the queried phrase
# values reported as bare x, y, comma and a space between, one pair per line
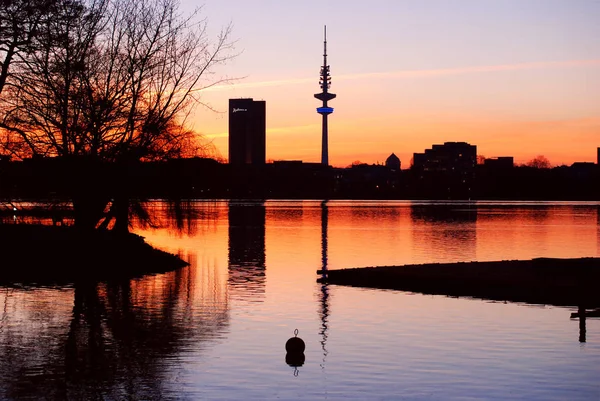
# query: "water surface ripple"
216, 330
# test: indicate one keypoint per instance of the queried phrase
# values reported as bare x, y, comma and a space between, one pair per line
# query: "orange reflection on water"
286, 241
268, 251
252, 281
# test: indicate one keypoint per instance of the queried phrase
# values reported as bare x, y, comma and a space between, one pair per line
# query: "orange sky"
458, 75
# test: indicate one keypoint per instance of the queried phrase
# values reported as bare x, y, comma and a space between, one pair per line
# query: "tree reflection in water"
117, 342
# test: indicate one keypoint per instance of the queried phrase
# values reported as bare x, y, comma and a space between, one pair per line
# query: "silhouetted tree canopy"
111, 79
539, 162
20, 21
95, 81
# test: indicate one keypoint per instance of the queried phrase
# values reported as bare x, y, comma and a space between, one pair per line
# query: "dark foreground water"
217, 330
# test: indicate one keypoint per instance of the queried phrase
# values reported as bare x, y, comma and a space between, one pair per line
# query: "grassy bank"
32, 253
564, 282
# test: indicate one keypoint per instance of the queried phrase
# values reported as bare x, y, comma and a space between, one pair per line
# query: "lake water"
216, 330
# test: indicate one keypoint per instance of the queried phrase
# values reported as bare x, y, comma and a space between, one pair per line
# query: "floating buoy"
295, 352
295, 360
295, 345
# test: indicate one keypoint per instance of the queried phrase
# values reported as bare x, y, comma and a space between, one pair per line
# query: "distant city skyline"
516, 78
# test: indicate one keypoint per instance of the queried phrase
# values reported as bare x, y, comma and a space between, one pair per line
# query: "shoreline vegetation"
573, 282
207, 178
44, 254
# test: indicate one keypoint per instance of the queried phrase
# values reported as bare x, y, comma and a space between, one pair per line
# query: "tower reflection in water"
324, 293
246, 258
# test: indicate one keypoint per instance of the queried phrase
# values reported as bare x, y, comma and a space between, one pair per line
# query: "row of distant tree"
539, 161
93, 81
206, 178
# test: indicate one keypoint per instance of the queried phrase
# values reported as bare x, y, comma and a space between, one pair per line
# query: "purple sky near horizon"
514, 77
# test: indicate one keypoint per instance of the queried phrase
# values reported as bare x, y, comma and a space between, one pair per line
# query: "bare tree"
20, 21
539, 162
112, 81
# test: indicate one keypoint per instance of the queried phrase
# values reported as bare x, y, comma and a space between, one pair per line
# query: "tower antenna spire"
325, 96
325, 41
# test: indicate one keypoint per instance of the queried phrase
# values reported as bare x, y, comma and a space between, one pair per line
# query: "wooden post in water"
581, 313
324, 221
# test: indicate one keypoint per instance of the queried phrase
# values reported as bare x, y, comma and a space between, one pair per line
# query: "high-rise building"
502, 162
598, 157
449, 157
325, 96
247, 131
446, 171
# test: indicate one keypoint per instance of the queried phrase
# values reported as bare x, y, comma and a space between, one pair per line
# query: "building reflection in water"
446, 232
324, 293
246, 258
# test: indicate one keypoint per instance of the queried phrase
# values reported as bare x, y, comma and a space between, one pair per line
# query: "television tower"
325, 96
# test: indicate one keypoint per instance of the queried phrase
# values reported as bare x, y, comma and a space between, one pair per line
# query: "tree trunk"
120, 208
87, 211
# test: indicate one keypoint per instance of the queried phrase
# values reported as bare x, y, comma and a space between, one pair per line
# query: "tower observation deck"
325, 96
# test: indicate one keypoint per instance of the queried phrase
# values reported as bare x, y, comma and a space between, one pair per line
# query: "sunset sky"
515, 77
